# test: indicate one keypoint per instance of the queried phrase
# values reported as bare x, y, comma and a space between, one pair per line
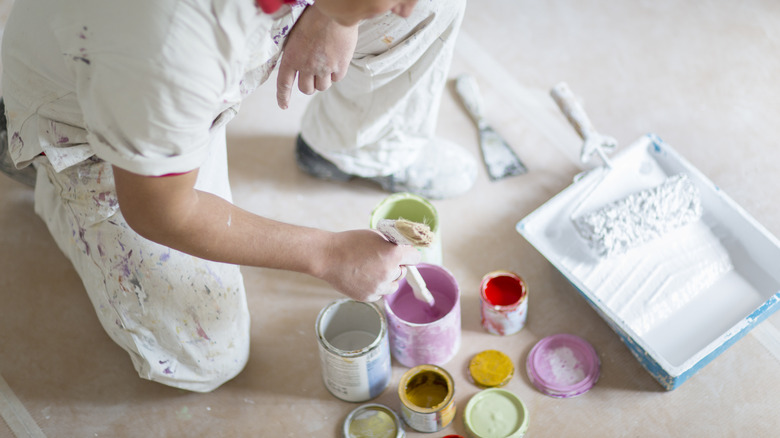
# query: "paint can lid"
496, 412
563, 365
491, 368
373, 420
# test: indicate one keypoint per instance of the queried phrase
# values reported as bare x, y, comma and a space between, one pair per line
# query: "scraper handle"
467, 89
575, 113
572, 109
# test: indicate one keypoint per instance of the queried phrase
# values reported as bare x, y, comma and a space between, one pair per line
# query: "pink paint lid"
563, 365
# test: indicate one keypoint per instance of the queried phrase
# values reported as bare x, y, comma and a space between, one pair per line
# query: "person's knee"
198, 371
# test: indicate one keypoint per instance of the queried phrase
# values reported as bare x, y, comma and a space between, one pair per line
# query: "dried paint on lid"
496, 412
491, 368
563, 365
373, 421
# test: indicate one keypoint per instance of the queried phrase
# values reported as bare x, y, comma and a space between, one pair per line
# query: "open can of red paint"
504, 302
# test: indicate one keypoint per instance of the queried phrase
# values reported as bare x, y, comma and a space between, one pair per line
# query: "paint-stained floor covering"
702, 75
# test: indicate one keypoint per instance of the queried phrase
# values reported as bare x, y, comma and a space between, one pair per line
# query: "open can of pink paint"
420, 333
563, 366
504, 302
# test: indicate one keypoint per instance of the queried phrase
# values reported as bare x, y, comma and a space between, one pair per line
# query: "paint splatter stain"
201, 332
16, 140
167, 369
184, 413
83, 59
278, 37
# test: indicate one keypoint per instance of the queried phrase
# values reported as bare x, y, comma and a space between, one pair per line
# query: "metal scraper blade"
500, 160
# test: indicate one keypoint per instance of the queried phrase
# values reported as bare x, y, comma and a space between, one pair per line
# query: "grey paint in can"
354, 349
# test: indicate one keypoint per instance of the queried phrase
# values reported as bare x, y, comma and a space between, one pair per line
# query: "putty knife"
500, 160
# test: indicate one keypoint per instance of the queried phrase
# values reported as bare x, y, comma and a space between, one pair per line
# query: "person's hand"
364, 266
318, 51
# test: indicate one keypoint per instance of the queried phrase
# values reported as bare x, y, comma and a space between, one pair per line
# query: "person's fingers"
410, 256
322, 83
306, 84
401, 275
339, 75
284, 84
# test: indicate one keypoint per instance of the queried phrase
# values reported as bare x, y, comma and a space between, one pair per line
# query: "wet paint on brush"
427, 394
422, 334
504, 302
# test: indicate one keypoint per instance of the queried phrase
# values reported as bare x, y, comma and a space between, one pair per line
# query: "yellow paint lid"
491, 368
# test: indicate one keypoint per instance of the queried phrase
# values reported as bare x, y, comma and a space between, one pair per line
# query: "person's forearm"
359, 263
209, 227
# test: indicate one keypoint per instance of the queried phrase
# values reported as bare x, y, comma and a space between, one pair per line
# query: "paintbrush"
404, 232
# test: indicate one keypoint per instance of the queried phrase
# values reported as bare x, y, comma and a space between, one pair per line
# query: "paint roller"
405, 232
636, 219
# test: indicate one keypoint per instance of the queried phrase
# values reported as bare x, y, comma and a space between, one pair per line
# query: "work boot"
25, 176
442, 170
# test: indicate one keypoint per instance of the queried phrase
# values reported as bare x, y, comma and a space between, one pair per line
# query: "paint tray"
680, 300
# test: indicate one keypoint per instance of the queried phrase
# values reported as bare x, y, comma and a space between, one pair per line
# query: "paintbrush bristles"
405, 232
417, 233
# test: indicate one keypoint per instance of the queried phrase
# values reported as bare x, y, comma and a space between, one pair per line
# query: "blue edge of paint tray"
677, 302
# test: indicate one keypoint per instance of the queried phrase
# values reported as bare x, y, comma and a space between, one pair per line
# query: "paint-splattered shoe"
25, 176
442, 170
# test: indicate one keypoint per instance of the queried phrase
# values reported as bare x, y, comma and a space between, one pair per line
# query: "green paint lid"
496, 413
373, 421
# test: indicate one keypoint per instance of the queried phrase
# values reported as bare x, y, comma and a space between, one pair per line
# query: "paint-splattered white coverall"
148, 85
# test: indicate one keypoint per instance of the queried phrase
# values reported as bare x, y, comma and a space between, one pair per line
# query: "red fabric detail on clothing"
171, 174
271, 6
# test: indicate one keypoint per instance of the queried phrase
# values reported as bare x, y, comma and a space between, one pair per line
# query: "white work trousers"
376, 120
184, 321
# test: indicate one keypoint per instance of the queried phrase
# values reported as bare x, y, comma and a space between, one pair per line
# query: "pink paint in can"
422, 334
504, 302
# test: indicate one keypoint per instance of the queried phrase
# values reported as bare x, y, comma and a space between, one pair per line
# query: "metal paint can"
373, 420
421, 333
416, 209
427, 394
354, 349
504, 302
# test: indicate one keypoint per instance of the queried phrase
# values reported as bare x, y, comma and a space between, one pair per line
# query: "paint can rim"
481, 396
401, 196
350, 353
399, 429
422, 267
587, 357
402, 384
502, 273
